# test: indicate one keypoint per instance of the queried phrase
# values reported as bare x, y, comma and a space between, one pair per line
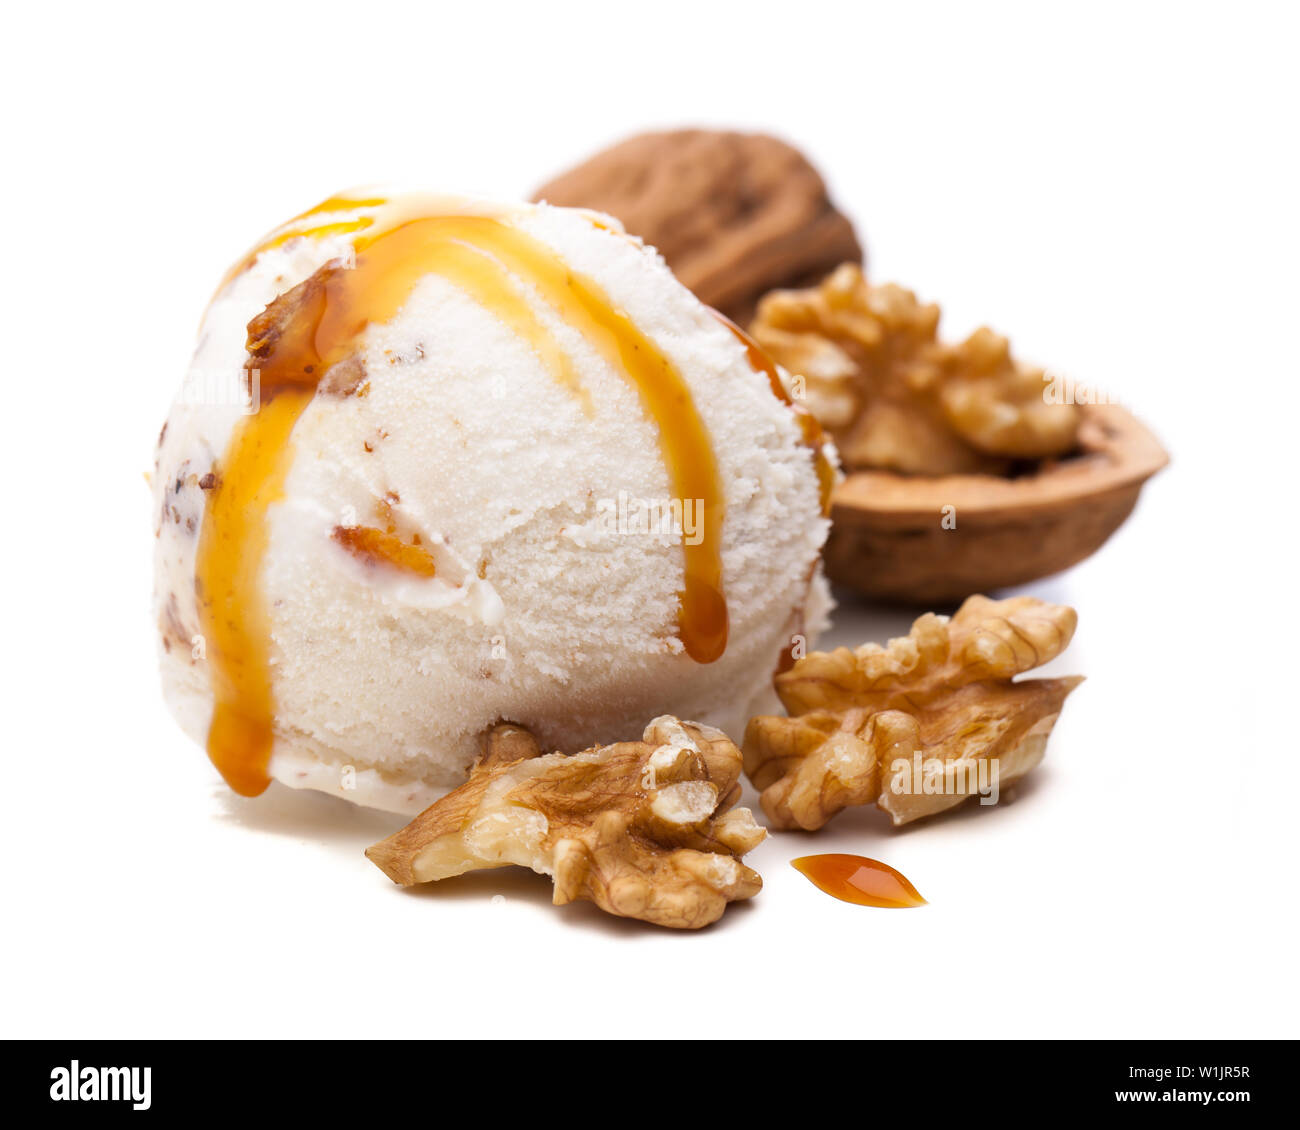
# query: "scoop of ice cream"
439, 463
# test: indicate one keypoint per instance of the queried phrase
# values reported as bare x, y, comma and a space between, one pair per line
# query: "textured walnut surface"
895, 397
735, 214
946, 691
644, 829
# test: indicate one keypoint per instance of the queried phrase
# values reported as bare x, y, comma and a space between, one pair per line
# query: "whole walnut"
734, 214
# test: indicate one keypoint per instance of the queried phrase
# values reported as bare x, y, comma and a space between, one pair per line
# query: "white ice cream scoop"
440, 462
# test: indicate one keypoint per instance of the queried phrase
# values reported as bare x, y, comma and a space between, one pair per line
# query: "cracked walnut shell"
644, 829
939, 700
934, 541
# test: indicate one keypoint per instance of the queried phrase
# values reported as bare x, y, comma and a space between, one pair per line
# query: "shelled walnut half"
907, 725
896, 397
644, 829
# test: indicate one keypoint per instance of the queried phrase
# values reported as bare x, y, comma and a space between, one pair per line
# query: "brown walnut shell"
734, 214
889, 540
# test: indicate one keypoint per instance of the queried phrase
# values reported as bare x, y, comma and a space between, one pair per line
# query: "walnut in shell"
644, 829
906, 725
965, 475
734, 214
894, 396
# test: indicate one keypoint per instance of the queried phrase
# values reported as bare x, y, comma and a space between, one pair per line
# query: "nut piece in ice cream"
644, 829
893, 396
734, 214
907, 725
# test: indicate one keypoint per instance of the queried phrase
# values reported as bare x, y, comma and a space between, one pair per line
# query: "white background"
1113, 186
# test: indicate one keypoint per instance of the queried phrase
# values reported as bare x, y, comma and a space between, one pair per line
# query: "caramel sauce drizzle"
479, 253
809, 426
857, 879
813, 437
302, 227
232, 614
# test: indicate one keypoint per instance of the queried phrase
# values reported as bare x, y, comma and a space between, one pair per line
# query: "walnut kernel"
894, 396
644, 829
858, 719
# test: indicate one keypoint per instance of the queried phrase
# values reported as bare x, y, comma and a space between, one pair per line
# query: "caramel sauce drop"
479, 254
857, 879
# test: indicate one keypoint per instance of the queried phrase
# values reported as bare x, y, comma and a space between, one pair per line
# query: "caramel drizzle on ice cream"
232, 614
811, 430
395, 249
305, 226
